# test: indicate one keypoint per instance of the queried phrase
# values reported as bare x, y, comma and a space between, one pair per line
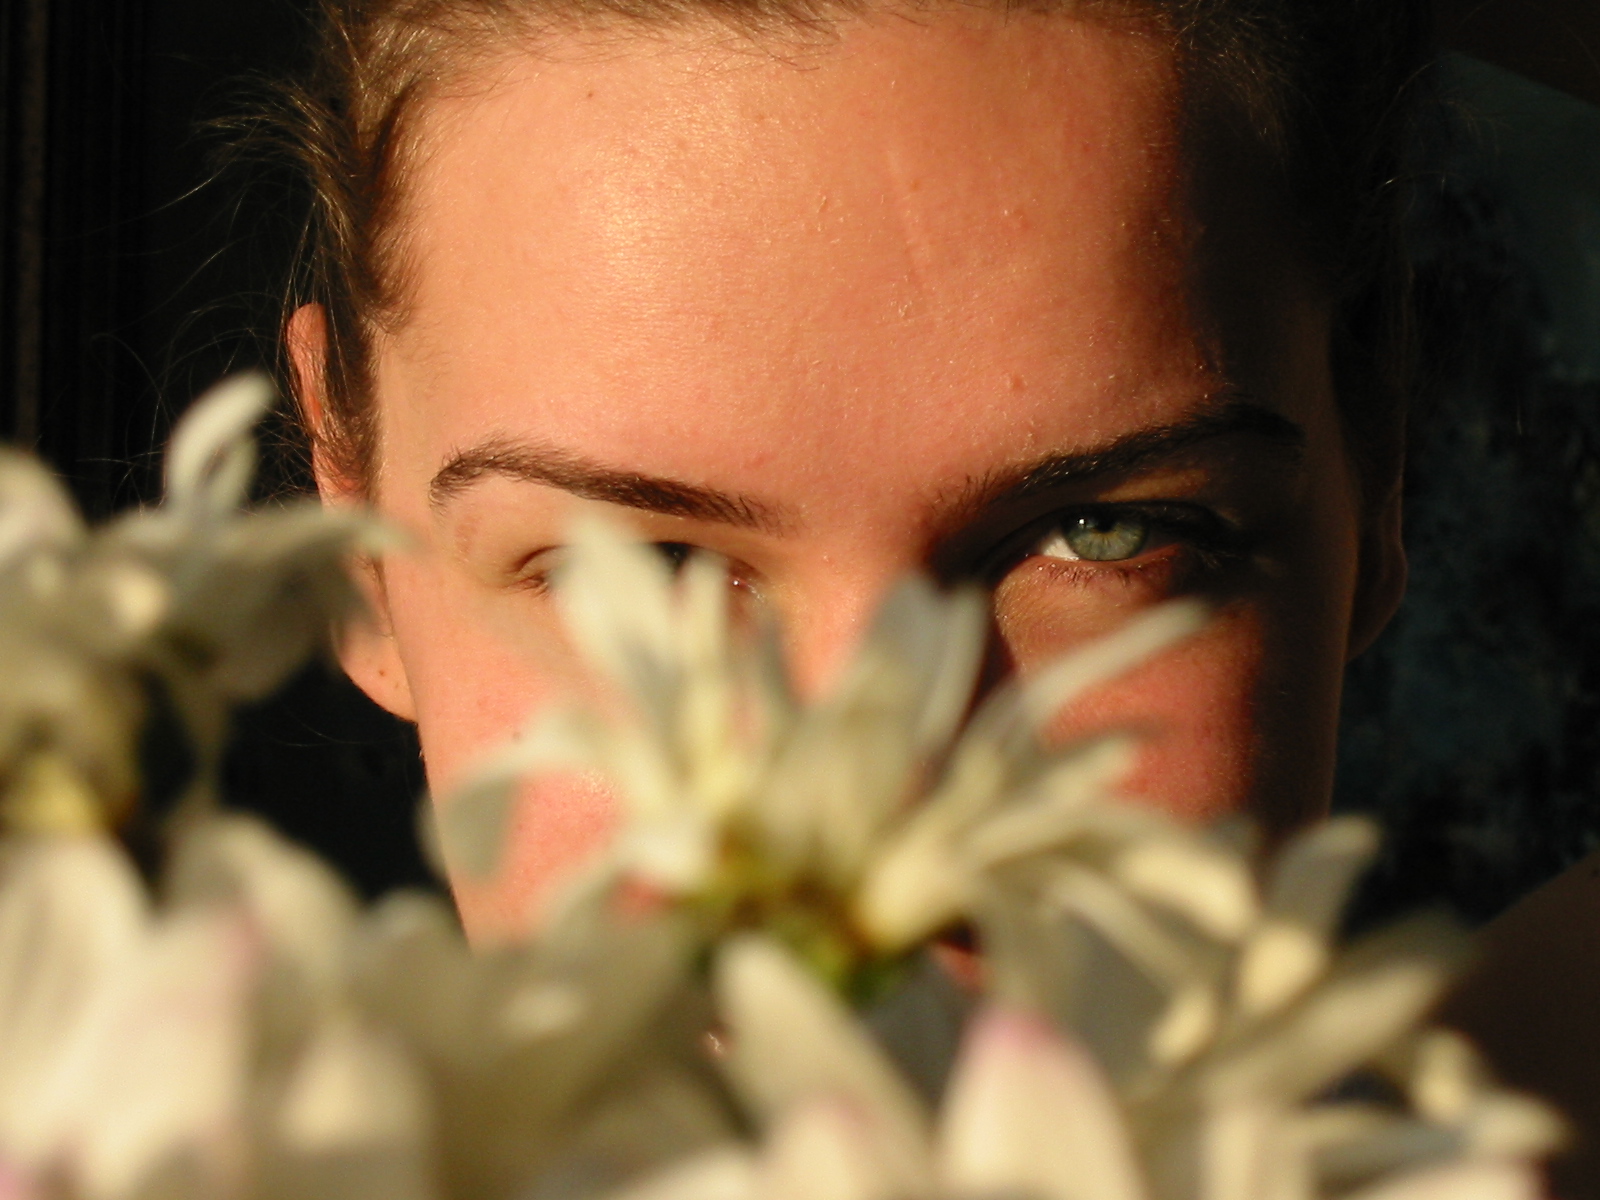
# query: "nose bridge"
828, 613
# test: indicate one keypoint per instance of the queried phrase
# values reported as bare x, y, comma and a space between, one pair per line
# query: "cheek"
1046, 606
1195, 706
469, 694
556, 827
1197, 709
474, 684
478, 667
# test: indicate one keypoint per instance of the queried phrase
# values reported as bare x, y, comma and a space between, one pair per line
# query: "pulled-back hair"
1326, 87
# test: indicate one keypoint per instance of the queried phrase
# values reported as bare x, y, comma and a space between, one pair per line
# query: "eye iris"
1106, 537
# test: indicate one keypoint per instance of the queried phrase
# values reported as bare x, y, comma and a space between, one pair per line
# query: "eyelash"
1213, 542
538, 582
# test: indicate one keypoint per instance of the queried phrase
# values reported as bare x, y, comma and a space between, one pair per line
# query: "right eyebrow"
527, 463
1231, 416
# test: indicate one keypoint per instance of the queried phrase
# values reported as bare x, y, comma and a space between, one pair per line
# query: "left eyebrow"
526, 463
1135, 451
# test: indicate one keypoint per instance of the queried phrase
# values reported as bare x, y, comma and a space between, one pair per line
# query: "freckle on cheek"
559, 827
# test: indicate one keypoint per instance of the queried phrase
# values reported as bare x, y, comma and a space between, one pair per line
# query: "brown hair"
1324, 85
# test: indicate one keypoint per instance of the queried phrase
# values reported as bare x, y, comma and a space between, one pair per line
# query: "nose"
828, 613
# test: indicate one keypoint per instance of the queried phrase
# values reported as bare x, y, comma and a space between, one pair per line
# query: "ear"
367, 648
1381, 578
306, 339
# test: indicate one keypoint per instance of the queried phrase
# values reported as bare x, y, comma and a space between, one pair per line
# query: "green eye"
1097, 537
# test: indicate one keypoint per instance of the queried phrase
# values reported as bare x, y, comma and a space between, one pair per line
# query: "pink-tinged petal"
1030, 1113
830, 1149
72, 915
794, 1042
1487, 1180
160, 1069
16, 1184
303, 912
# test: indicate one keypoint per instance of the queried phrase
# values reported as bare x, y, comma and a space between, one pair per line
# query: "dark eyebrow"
1231, 417
526, 463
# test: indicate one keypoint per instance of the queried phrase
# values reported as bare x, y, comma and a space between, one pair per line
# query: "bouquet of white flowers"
741, 1000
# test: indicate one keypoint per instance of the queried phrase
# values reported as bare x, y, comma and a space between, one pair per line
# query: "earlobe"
1381, 584
368, 651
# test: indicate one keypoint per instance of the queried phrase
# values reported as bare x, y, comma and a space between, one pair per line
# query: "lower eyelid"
1158, 570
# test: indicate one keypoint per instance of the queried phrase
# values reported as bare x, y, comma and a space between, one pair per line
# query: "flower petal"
1381, 989
1249, 1149
36, 512
161, 1069
1309, 888
211, 457
1462, 1181
472, 820
72, 916
352, 1124
1199, 880
1030, 1114
352, 1088
725, 1173
828, 1149
617, 597
793, 1041
303, 910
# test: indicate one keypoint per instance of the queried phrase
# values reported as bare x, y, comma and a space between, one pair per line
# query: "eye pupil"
1106, 537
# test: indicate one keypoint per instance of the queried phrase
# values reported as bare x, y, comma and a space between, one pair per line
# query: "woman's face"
948, 293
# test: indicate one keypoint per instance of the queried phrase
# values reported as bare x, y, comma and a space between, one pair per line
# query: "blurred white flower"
1162, 1021
1029, 1111
216, 604
256, 1033
123, 1037
867, 818
1214, 1012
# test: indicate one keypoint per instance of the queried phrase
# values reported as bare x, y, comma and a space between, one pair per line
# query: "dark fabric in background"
1473, 727
132, 274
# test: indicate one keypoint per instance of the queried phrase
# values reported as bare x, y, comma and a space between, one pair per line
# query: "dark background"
132, 275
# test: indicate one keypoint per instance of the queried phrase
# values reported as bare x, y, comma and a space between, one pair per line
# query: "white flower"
1201, 1023
1030, 1112
216, 604
877, 800
1027, 1112
245, 597
466, 1074
256, 1033
1163, 1020
123, 1037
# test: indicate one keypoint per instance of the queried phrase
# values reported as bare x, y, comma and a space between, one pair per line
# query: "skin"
904, 299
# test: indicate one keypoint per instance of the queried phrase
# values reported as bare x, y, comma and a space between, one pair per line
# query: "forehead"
971, 218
